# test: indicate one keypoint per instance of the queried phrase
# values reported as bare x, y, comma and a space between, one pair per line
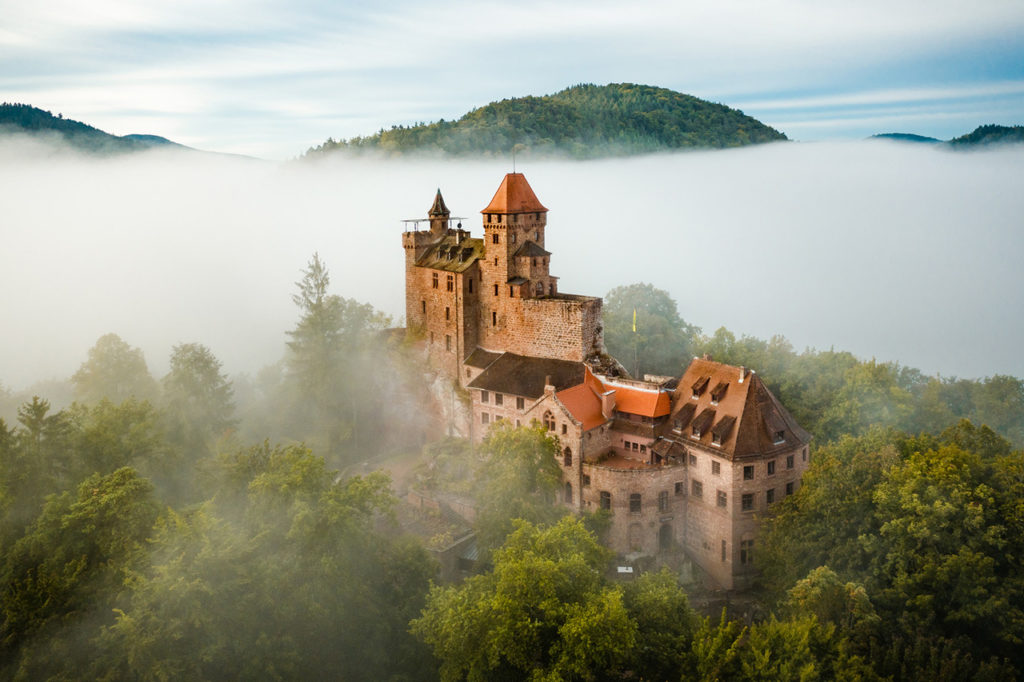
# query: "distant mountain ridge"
29, 120
583, 121
981, 136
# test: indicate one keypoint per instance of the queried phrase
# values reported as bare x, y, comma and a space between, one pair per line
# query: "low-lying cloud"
904, 253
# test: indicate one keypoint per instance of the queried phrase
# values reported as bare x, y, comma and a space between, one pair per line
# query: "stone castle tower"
494, 293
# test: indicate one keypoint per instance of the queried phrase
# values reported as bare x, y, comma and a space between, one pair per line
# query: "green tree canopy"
115, 371
662, 342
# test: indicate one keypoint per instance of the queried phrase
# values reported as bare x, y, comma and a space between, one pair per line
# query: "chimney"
743, 373
549, 388
608, 404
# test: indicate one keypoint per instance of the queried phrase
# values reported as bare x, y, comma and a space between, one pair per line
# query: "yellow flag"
634, 320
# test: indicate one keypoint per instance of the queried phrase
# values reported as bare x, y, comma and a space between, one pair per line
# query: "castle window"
716, 438
488, 217
805, 454
693, 460
499, 399
716, 468
789, 488
496, 238
536, 235
643, 449
549, 421
680, 488
435, 280
769, 495
747, 502
789, 462
746, 552
495, 289
485, 418
512, 237
551, 289
485, 397
606, 500
447, 342
533, 262
722, 499
540, 288
565, 429
520, 403
723, 550
586, 480
511, 291
748, 472
568, 493
495, 261
663, 501
451, 282
494, 319
634, 503
470, 285
567, 458
536, 216
499, 217
697, 489
423, 304
771, 468
780, 437
447, 313
515, 217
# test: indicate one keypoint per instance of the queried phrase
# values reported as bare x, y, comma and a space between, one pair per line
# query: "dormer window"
719, 392
716, 439
700, 386
780, 437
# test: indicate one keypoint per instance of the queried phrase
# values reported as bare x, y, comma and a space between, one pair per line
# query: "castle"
685, 463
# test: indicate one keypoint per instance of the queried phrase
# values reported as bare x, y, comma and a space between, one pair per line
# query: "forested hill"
584, 121
990, 134
29, 120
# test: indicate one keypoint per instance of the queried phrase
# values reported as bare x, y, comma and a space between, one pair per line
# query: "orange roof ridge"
514, 195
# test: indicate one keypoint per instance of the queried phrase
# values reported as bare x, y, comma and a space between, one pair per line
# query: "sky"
271, 78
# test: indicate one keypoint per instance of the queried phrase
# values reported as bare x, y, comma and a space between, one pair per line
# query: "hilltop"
29, 120
990, 134
584, 121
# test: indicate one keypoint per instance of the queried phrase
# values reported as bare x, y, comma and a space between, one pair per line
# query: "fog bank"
905, 253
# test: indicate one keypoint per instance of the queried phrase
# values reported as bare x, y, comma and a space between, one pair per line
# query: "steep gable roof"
514, 195
739, 415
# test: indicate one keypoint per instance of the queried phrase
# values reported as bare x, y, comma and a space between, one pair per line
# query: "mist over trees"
199, 527
831, 393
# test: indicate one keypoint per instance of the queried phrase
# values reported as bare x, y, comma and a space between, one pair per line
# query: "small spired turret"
439, 216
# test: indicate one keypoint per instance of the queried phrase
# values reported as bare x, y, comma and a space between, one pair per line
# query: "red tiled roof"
583, 404
514, 196
645, 402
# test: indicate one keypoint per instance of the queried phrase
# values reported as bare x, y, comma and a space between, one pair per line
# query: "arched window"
540, 288
568, 493
549, 421
567, 457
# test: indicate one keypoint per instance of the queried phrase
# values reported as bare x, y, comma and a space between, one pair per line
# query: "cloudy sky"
270, 78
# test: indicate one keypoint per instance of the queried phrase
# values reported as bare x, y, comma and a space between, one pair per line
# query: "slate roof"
531, 249
438, 209
521, 375
481, 359
449, 254
514, 195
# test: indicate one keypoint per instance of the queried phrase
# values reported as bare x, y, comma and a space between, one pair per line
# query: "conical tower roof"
515, 196
438, 209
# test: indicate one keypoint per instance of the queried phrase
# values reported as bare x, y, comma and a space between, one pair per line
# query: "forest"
583, 121
195, 526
